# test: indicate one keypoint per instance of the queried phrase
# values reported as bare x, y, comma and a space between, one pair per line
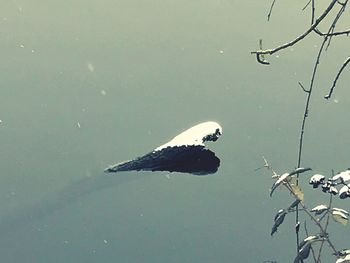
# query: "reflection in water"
185, 153
191, 159
59, 200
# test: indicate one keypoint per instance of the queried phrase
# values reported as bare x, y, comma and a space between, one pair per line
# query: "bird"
185, 153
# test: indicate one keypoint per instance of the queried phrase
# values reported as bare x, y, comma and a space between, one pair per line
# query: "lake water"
85, 84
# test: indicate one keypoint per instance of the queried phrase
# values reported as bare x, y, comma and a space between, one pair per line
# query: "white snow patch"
194, 136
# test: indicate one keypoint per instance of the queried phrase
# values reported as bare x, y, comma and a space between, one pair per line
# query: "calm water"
86, 84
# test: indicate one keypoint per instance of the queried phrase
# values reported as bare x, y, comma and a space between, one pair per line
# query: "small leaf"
344, 259
294, 204
343, 177
304, 252
333, 190
298, 192
342, 252
279, 218
340, 210
308, 240
344, 192
278, 182
305, 247
318, 210
300, 170
316, 180
340, 217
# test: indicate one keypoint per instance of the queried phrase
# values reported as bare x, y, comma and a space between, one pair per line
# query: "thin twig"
302, 129
306, 5
346, 62
313, 12
270, 12
331, 33
302, 87
338, 33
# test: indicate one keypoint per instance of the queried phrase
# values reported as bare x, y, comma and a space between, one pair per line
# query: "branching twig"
325, 227
302, 87
302, 36
338, 33
314, 219
335, 21
312, 248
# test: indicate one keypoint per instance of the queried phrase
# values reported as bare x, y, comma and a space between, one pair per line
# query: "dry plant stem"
312, 248
322, 229
325, 228
296, 40
326, 37
307, 104
328, 96
302, 129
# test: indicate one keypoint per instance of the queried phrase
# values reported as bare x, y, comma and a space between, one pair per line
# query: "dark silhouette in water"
184, 159
58, 200
185, 153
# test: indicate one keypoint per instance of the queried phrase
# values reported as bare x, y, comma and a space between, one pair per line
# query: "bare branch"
261, 59
335, 21
312, 12
338, 33
296, 40
328, 96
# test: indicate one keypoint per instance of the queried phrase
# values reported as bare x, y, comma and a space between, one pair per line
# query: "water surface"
88, 84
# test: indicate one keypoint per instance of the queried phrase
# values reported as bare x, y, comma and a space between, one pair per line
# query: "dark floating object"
185, 153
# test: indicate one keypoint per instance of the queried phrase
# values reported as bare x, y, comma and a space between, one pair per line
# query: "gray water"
85, 84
